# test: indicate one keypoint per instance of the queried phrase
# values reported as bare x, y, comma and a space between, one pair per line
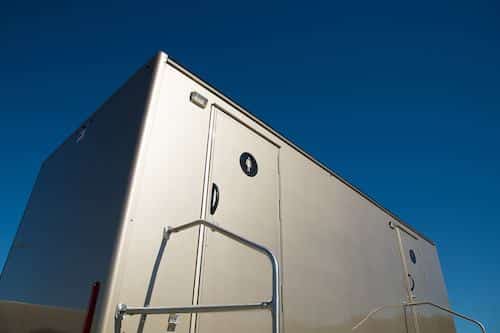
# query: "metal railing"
443, 308
272, 305
412, 304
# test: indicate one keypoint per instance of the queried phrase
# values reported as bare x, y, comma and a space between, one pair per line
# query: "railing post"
445, 309
119, 313
276, 308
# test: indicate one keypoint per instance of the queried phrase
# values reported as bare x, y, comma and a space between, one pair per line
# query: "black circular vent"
248, 164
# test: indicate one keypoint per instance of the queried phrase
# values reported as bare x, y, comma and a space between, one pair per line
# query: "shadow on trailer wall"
65, 240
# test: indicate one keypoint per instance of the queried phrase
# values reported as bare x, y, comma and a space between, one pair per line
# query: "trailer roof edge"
240, 108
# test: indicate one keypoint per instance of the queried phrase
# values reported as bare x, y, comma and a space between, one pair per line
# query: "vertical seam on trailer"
405, 277
138, 188
280, 221
403, 261
134, 173
203, 212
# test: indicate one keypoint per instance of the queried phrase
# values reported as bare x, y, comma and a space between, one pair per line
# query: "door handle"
214, 202
412, 285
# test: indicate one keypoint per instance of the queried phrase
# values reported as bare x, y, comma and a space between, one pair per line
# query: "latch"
172, 322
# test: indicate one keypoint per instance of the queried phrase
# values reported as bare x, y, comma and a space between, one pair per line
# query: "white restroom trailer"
168, 149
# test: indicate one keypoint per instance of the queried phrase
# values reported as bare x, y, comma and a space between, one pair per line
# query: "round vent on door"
413, 257
248, 164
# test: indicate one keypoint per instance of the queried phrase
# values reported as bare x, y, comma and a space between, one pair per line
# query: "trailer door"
413, 275
424, 283
243, 197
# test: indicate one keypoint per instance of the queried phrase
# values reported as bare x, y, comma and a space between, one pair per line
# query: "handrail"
443, 308
273, 305
378, 309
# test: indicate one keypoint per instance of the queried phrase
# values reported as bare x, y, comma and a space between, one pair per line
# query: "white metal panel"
248, 206
168, 192
340, 258
413, 274
424, 284
65, 241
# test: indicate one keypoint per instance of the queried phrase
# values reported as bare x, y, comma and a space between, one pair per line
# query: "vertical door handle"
214, 202
412, 285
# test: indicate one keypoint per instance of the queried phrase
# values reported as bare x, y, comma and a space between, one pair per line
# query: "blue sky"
400, 98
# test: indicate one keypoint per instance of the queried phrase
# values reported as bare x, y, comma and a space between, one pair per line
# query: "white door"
423, 284
243, 197
413, 271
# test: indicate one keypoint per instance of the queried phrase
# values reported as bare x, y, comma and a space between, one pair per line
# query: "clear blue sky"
401, 98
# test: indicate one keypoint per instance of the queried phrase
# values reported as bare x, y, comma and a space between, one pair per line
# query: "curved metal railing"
410, 304
273, 305
443, 308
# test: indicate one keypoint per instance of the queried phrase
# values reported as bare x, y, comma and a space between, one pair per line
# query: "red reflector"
91, 307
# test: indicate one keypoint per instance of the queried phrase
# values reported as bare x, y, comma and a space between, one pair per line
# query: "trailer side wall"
65, 241
167, 190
